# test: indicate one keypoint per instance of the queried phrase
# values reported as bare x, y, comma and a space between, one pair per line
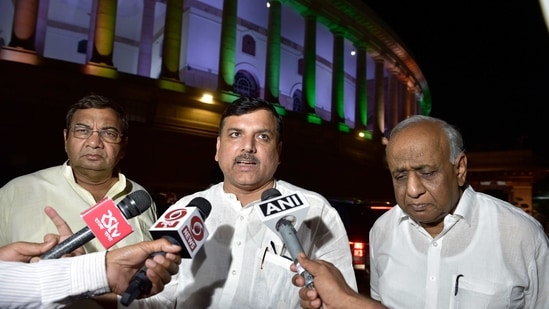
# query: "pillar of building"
145, 45
24, 24
361, 89
338, 78
309, 65
272, 66
392, 102
227, 48
410, 101
379, 96
402, 98
105, 23
171, 46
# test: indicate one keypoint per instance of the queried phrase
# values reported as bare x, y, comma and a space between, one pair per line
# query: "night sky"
486, 63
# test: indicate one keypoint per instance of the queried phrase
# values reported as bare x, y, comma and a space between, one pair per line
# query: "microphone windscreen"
135, 203
269, 194
203, 205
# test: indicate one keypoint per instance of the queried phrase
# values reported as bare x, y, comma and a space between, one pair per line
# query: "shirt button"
435, 244
233, 272
239, 243
432, 278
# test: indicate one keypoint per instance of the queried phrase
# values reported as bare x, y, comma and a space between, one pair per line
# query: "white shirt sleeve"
52, 283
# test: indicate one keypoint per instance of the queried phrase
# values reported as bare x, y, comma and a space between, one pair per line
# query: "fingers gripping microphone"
105, 221
282, 214
183, 226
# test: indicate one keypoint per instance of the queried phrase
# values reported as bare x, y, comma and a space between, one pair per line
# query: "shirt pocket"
469, 292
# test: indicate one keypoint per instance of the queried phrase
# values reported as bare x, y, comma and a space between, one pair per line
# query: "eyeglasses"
106, 135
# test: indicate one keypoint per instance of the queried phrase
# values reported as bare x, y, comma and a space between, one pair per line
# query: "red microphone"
106, 221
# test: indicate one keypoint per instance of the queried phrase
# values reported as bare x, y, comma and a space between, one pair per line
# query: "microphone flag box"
184, 224
292, 207
107, 222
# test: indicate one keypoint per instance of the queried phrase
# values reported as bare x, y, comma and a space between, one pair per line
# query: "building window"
248, 45
245, 84
82, 47
300, 64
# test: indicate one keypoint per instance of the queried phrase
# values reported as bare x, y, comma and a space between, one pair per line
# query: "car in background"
358, 216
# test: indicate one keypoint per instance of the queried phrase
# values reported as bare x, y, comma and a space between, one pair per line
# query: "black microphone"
283, 213
183, 226
105, 221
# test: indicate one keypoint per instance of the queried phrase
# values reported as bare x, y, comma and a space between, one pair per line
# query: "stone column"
338, 79
227, 48
24, 24
171, 46
309, 70
361, 94
103, 42
379, 96
272, 66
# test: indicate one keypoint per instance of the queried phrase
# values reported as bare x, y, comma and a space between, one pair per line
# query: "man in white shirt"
244, 264
445, 245
96, 139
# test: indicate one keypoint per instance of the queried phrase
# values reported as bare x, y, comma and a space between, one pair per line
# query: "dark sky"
486, 63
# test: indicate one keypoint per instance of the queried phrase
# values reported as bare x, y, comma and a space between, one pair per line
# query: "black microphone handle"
288, 234
140, 284
77, 240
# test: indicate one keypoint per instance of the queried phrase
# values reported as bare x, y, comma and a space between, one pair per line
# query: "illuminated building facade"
340, 76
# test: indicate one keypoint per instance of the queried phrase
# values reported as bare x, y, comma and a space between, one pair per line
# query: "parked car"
358, 216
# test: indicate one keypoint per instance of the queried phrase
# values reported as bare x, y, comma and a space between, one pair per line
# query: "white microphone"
183, 226
283, 215
106, 221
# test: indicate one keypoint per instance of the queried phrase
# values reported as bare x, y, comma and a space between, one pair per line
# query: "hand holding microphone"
282, 214
105, 221
183, 226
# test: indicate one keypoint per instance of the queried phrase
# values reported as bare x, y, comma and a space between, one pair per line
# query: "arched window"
245, 84
248, 45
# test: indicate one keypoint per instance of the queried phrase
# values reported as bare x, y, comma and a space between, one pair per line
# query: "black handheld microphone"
284, 213
106, 221
183, 226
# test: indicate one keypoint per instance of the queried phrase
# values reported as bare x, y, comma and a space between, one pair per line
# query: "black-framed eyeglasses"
106, 135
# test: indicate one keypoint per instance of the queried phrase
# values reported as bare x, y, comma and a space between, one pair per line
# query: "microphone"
283, 214
183, 226
106, 221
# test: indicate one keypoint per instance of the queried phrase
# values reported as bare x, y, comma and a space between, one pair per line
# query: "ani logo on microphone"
107, 222
292, 207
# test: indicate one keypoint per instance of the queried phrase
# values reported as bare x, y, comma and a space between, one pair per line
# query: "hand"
63, 229
22, 251
331, 290
124, 262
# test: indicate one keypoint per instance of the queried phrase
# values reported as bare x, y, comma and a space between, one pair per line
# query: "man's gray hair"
455, 140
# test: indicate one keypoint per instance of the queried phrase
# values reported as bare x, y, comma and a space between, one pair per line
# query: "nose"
94, 139
249, 145
414, 186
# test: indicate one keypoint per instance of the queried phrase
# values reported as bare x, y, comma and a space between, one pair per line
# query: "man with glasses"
96, 139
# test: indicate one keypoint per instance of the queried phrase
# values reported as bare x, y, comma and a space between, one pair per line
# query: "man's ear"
461, 169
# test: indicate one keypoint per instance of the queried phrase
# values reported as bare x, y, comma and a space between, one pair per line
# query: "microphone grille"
135, 203
203, 205
269, 194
